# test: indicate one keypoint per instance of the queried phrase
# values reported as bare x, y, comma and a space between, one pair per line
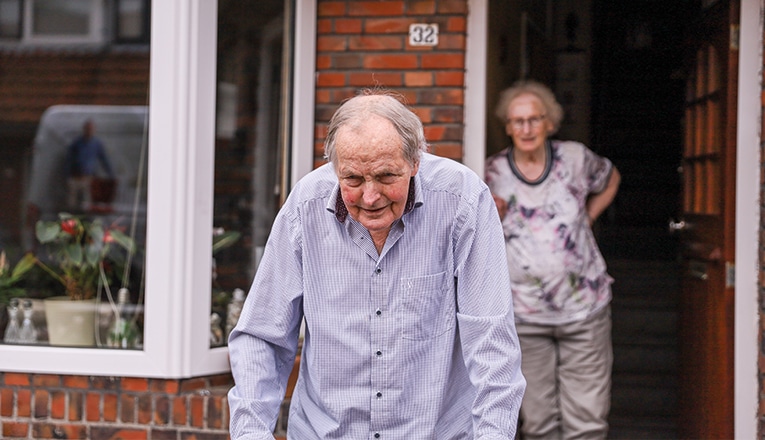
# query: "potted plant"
82, 255
9, 283
9, 278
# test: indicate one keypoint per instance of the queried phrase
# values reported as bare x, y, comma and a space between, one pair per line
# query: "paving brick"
118, 433
19, 379
15, 429
24, 403
75, 382
41, 400
46, 380
384, 61
127, 408
330, 9
197, 406
134, 384
161, 410
420, 7
347, 25
376, 8
111, 404
180, 410
145, 409
6, 402
76, 406
58, 405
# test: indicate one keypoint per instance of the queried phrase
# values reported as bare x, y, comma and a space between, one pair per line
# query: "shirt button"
378, 270
379, 353
377, 435
378, 312
379, 394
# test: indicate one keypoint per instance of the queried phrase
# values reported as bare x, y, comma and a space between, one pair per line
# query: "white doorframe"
748, 165
747, 183
474, 137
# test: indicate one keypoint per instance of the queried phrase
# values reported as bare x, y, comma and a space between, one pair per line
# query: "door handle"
677, 226
698, 270
698, 274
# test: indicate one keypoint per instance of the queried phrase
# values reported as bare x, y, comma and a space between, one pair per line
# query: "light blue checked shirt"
417, 342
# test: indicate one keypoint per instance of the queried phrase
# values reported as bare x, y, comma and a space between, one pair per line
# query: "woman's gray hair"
553, 110
385, 104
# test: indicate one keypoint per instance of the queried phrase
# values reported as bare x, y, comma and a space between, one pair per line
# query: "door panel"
707, 227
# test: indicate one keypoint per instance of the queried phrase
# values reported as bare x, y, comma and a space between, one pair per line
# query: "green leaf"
93, 253
47, 231
96, 232
123, 240
23, 266
73, 252
224, 240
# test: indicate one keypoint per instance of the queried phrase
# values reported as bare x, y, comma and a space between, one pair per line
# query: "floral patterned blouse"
557, 272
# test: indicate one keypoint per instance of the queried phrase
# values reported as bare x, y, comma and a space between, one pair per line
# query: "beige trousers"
568, 375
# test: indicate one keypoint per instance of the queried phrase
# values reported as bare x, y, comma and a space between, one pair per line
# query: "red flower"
69, 226
108, 237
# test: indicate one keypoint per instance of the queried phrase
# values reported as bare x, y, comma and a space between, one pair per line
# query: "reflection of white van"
123, 132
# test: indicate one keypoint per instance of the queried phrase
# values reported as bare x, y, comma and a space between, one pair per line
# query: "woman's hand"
501, 205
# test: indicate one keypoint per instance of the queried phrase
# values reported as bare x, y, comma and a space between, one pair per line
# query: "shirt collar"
413, 199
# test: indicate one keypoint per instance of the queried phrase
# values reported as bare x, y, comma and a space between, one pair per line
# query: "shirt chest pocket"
426, 306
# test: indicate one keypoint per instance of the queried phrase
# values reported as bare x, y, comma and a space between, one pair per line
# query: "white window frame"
180, 201
95, 34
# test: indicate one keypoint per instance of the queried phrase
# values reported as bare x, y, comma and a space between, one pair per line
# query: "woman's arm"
598, 203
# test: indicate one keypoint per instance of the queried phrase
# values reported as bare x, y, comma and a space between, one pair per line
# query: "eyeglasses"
519, 123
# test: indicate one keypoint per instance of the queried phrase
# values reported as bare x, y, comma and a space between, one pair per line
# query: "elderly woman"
548, 194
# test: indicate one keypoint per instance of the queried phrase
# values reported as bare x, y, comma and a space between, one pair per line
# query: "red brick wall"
44, 406
38, 80
365, 44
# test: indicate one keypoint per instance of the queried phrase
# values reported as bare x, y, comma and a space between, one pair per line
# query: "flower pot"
70, 323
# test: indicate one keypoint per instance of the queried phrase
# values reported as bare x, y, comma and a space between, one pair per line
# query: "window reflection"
254, 51
55, 99
54, 17
10, 18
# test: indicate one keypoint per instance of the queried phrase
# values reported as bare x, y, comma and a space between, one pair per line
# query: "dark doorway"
638, 87
633, 56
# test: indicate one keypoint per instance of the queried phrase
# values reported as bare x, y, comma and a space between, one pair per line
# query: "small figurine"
216, 332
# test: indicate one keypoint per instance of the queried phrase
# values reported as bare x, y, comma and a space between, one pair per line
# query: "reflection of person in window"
83, 157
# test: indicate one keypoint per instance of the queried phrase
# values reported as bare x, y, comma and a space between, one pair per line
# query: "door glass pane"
73, 132
251, 155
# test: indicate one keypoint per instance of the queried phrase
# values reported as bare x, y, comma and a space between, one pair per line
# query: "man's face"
373, 173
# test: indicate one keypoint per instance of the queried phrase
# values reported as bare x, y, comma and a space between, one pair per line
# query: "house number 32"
423, 34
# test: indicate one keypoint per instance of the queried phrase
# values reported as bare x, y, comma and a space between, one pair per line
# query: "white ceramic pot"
70, 323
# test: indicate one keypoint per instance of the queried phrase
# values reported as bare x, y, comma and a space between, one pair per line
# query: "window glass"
132, 20
56, 17
73, 140
251, 162
10, 18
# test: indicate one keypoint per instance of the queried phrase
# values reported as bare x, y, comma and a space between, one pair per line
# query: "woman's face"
373, 173
527, 123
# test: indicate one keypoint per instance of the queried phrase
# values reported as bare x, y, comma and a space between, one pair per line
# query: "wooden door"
707, 226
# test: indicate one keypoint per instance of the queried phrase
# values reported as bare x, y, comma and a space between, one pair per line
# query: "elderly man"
395, 259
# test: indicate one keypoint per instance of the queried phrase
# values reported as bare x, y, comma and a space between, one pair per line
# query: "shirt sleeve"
597, 171
486, 323
263, 345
